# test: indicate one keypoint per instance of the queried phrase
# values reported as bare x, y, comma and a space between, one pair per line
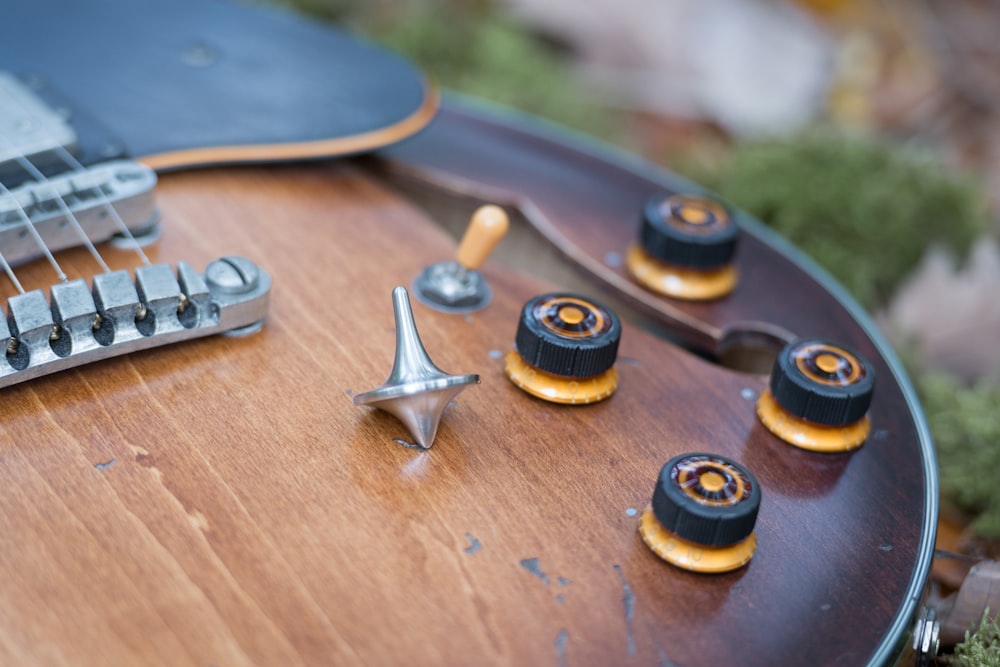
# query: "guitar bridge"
116, 316
86, 198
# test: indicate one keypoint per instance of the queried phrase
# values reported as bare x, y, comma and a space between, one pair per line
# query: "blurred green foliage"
867, 212
965, 422
981, 648
474, 48
863, 210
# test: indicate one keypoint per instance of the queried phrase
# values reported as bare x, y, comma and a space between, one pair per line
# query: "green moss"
965, 423
864, 211
982, 647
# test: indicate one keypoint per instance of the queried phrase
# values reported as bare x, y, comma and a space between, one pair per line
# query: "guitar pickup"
27, 123
116, 315
99, 199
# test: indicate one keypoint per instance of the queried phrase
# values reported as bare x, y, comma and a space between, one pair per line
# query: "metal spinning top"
416, 391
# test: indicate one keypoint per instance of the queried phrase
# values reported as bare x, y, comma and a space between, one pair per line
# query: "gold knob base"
558, 389
809, 435
679, 282
690, 556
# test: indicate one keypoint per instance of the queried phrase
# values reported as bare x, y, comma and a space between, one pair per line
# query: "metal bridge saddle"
118, 316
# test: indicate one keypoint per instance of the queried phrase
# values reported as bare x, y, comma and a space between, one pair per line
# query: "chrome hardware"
27, 125
118, 316
416, 391
451, 288
456, 286
926, 637
94, 196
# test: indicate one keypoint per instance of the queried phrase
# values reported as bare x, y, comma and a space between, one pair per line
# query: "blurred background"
866, 132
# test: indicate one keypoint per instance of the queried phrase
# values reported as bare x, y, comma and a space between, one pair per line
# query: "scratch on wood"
628, 601
531, 565
106, 464
665, 660
198, 520
410, 445
474, 544
562, 639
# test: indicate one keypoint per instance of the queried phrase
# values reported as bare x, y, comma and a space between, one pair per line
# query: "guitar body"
222, 501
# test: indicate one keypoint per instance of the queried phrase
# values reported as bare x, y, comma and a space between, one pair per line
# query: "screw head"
232, 275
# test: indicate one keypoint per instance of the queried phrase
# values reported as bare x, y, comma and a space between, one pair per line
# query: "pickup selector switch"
457, 286
565, 349
685, 250
703, 514
818, 396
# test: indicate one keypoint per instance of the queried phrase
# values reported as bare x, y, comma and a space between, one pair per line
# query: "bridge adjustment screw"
232, 275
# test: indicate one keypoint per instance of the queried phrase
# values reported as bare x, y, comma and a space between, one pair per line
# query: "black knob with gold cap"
686, 246
688, 230
565, 349
703, 513
818, 396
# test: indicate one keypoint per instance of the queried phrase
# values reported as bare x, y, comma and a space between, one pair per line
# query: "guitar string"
10, 273
12, 343
26, 222
75, 166
78, 167
64, 208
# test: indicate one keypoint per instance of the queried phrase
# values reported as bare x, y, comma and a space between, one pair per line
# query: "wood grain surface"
223, 502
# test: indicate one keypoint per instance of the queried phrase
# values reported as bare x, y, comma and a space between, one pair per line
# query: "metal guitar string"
9, 271
26, 221
64, 208
77, 166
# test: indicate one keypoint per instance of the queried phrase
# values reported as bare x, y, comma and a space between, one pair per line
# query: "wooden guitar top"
224, 502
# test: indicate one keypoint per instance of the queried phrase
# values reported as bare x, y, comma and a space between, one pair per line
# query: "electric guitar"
173, 497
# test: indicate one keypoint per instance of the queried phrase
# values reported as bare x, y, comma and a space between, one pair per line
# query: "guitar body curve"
224, 502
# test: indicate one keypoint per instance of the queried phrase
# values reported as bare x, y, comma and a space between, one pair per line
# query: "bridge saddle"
117, 315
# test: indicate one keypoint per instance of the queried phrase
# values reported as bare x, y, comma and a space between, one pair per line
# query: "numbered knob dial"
819, 395
565, 349
703, 513
685, 249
